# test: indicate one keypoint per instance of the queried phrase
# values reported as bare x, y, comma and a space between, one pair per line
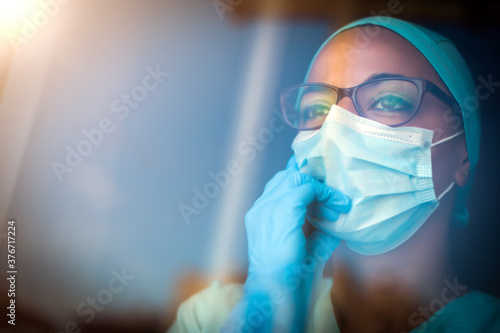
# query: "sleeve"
206, 311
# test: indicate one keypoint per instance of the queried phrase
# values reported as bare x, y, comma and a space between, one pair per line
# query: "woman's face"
346, 61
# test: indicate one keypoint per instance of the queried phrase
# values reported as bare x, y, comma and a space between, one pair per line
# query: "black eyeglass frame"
423, 86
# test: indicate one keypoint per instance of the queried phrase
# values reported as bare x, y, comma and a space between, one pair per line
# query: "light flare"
12, 12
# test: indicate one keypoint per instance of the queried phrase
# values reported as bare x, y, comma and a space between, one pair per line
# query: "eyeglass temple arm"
436, 91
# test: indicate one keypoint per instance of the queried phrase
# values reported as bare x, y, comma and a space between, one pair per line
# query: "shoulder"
207, 310
323, 317
481, 310
473, 312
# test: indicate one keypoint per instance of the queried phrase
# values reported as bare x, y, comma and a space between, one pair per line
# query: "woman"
387, 145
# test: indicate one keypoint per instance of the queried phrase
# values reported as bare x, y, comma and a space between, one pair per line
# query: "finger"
292, 164
302, 190
321, 245
332, 199
319, 212
325, 195
277, 179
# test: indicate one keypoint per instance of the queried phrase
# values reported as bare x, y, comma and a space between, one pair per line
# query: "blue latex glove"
285, 267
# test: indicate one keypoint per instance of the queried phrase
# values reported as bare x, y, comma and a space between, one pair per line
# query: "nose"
347, 103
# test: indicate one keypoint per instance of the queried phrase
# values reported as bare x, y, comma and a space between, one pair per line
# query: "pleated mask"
385, 171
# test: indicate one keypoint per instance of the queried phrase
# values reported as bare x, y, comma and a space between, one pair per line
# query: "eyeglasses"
391, 101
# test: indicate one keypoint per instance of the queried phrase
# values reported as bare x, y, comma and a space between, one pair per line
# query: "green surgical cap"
451, 67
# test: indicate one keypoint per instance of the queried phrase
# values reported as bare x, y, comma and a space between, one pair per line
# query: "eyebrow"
383, 76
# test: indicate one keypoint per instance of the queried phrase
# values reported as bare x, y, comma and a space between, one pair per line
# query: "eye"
391, 102
317, 109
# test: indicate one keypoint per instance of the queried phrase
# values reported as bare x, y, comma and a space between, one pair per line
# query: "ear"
462, 172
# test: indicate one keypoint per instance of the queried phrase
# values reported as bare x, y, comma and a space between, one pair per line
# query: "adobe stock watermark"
248, 149
32, 26
223, 6
483, 90
428, 314
94, 137
88, 308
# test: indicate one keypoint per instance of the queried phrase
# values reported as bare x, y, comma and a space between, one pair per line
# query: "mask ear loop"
438, 143
446, 191
447, 139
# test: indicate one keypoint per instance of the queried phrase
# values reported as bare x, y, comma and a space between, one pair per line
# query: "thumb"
321, 245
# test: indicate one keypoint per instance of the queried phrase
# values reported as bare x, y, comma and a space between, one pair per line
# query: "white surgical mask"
385, 171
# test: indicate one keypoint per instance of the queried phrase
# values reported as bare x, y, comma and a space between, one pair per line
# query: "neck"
382, 293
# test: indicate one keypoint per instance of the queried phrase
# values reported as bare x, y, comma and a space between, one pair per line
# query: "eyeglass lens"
389, 102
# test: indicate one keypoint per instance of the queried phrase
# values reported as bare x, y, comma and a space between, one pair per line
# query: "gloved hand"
284, 265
